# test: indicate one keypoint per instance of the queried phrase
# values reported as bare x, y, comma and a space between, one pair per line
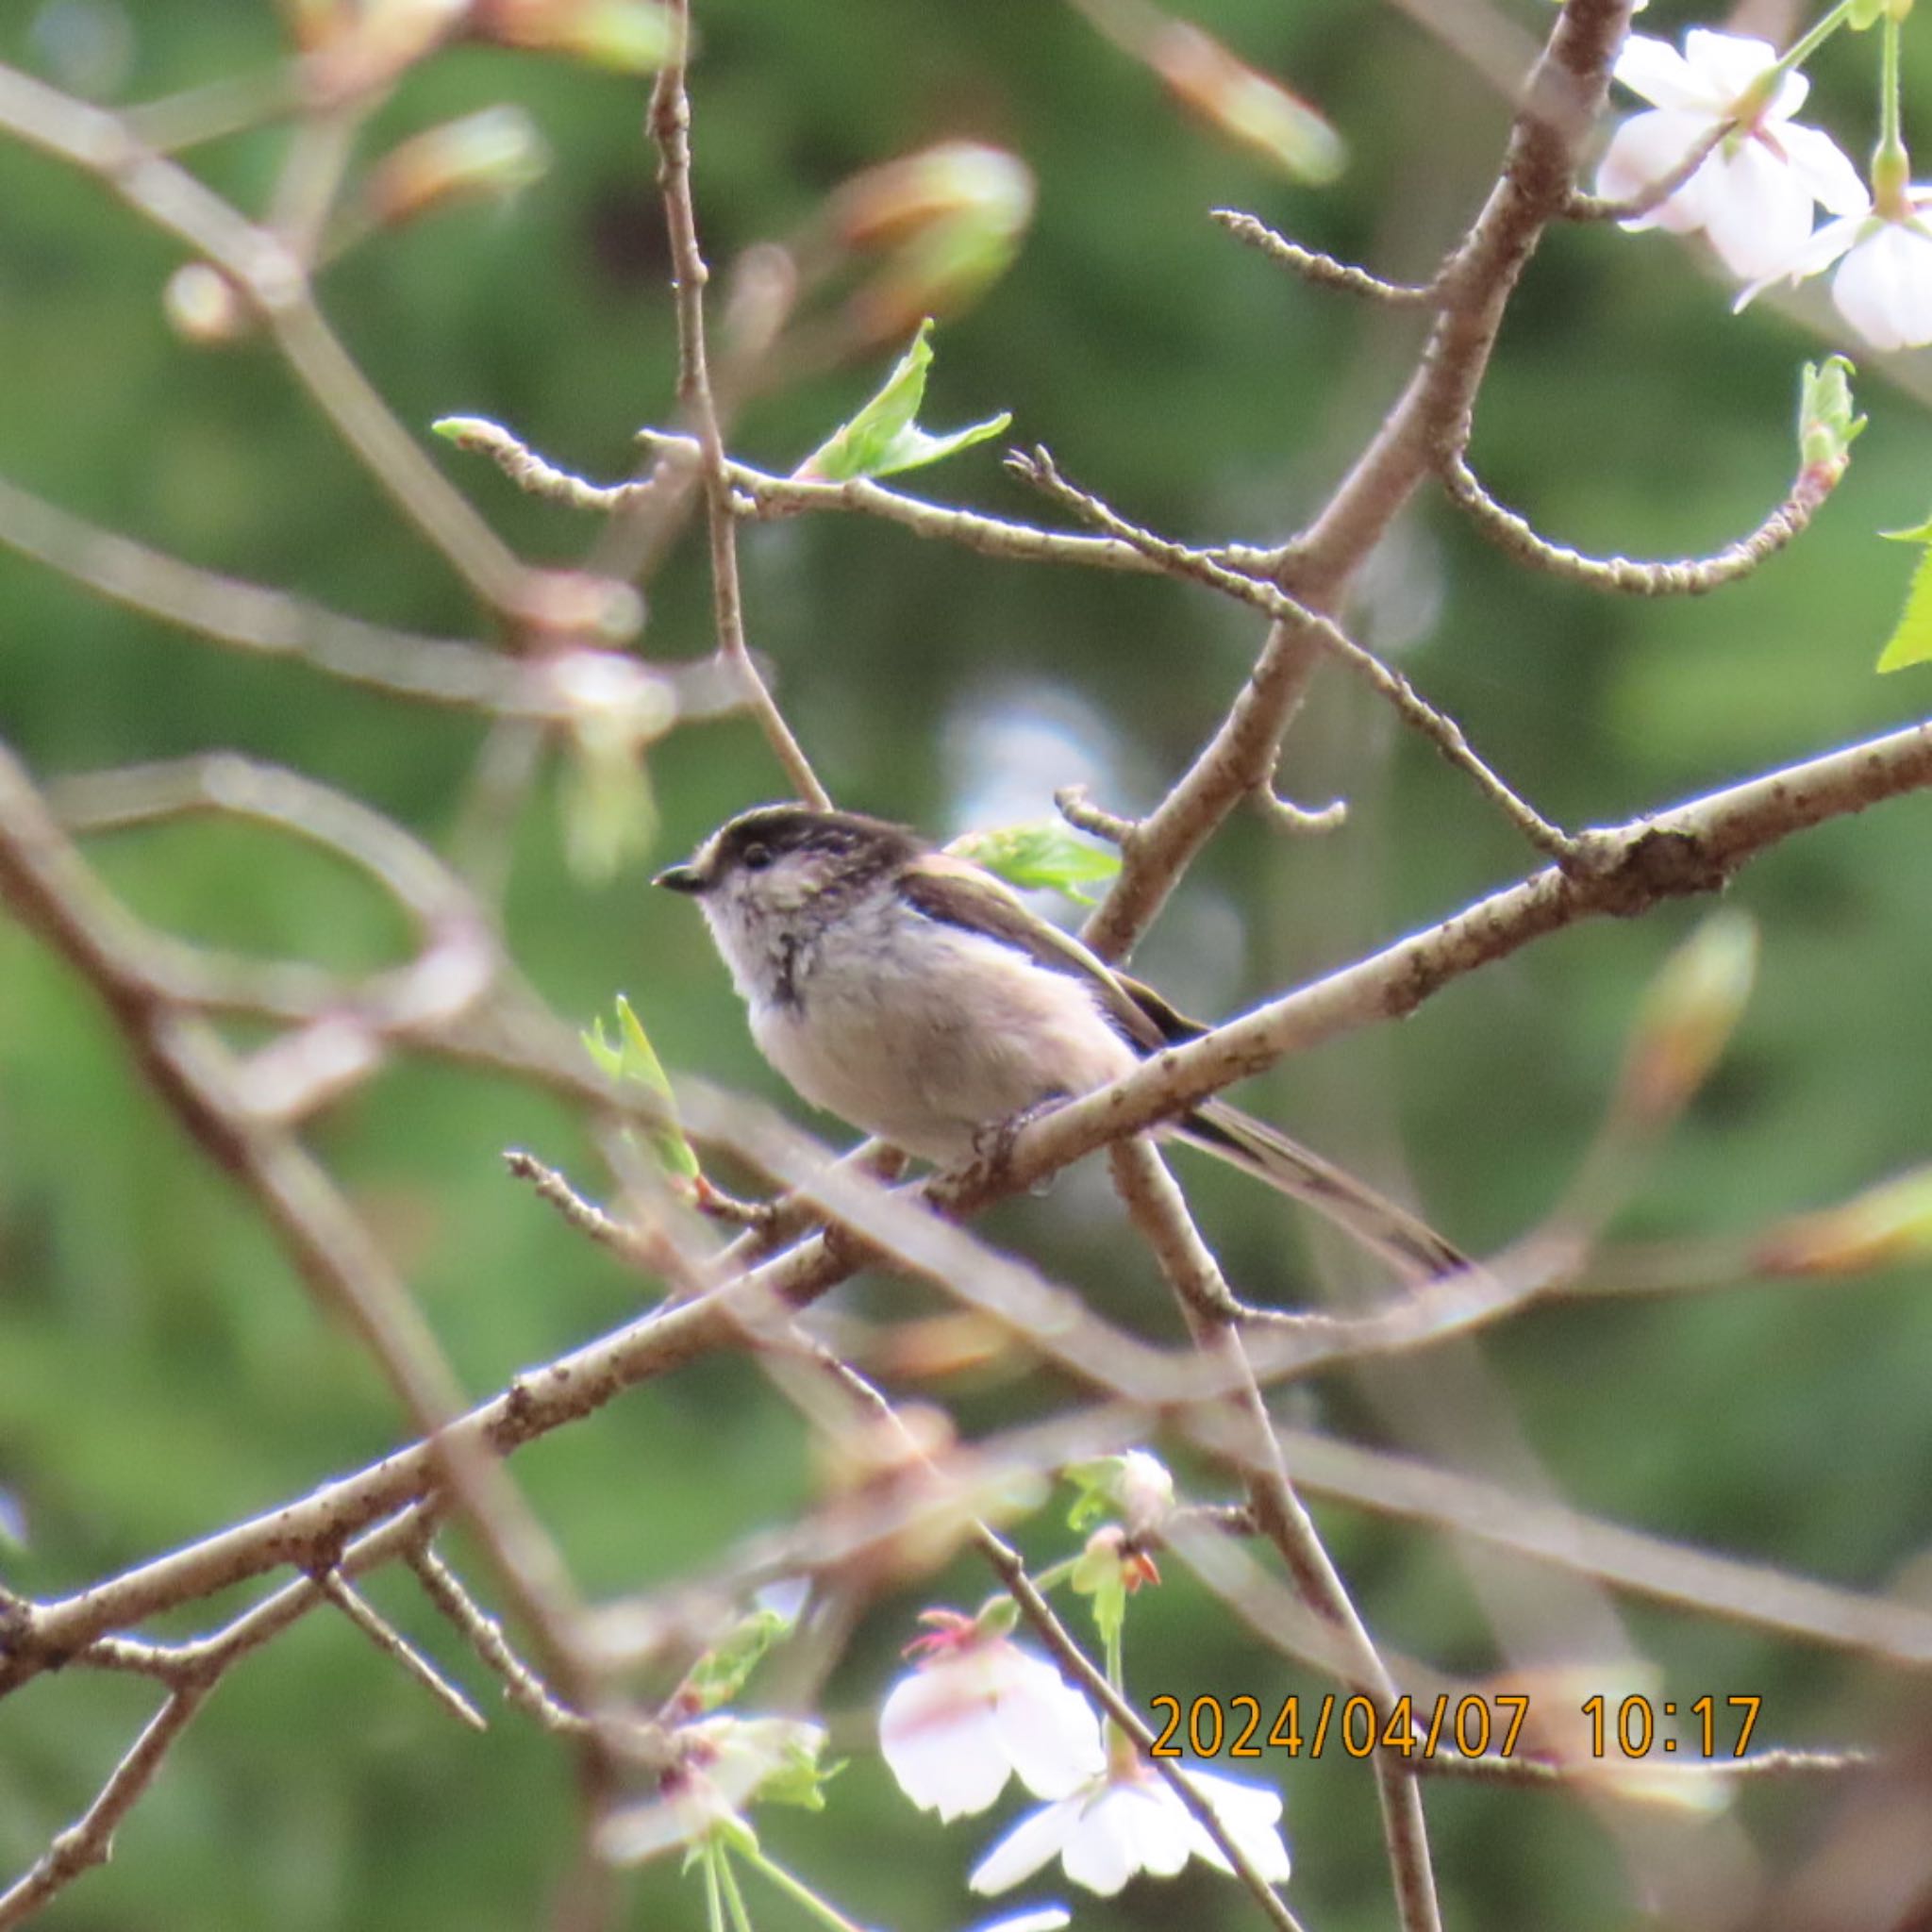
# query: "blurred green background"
160, 1372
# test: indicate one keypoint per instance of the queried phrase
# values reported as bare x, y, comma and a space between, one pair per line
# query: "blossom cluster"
978, 1711
1763, 174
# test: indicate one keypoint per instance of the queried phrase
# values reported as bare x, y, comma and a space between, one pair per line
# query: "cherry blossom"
721, 1764
1132, 1820
1754, 195
977, 1710
1883, 286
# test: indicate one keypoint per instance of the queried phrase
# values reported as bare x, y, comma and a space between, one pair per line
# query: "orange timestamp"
1474, 1724
1214, 1727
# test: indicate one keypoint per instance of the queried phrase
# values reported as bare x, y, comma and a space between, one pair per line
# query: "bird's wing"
958, 892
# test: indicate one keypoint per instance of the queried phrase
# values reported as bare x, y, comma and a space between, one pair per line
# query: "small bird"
916, 996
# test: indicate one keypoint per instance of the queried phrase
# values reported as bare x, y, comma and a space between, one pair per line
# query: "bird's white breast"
925, 1033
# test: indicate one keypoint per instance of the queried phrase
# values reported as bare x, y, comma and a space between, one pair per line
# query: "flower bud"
1687, 1017
493, 152
629, 36
1243, 103
947, 222
1885, 1225
356, 51
204, 307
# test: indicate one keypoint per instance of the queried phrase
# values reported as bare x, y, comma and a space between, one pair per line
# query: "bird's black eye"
755, 856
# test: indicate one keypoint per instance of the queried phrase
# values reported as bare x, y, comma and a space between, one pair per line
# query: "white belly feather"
944, 1033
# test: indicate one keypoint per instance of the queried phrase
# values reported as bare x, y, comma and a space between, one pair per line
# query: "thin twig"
1037, 467
1689, 576
1298, 820
670, 124
1322, 269
522, 1685
90, 1838
1648, 199
757, 495
393, 1645
1080, 811
1159, 1213
585, 1216
1011, 1570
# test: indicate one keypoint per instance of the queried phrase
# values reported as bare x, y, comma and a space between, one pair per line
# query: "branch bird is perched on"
914, 995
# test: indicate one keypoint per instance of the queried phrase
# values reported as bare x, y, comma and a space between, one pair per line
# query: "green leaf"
1826, 427
1098, 1576
884, 437
1045, 852
719, 1674
801, 1780
1910, 641
632, 1060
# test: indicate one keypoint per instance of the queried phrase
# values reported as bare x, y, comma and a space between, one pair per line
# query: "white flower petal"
1026, 1848
1822, 248
1107, 1847
1883, 287
1788, 98
1756, 211
1146, 1486
1821, 165
1250, 1815
1726, 64
1048, 1732
1649, 148
947, 1755
1655, 70
1163, 1827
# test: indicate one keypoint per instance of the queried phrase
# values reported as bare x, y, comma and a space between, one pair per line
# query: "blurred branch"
1893, 1629
1481, 35
263, 267
194, 1074
226, 610
342, 1041
217, 109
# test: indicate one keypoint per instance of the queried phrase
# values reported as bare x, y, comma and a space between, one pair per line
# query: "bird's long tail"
1408, 1243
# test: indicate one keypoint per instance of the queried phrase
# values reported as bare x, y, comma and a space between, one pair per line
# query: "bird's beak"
681, 878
